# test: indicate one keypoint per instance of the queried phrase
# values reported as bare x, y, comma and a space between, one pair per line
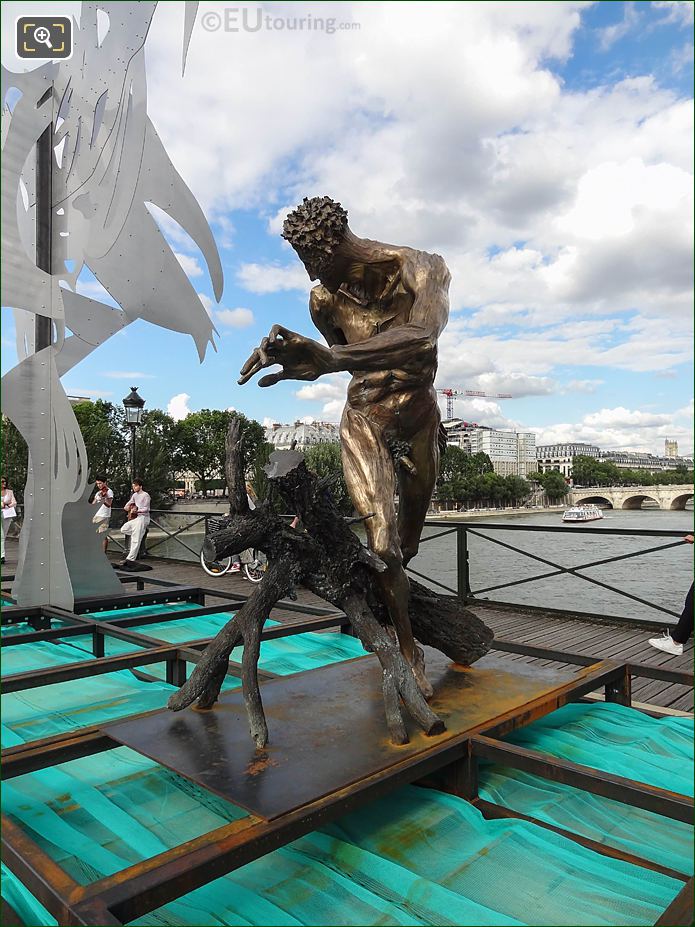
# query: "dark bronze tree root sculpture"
328, 559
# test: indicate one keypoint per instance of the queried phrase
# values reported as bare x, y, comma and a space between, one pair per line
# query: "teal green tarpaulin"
415, 857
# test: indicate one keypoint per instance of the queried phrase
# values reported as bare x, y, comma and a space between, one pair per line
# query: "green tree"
518, 489
325, 460
14, 458
199, 445
553, 484
586, 471
155, 455
252, 441
455, 463
103, 431
460, 475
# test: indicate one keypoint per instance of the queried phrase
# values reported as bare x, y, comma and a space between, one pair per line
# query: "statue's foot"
418, 668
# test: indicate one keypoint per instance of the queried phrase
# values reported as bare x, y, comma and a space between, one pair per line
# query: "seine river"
662, 577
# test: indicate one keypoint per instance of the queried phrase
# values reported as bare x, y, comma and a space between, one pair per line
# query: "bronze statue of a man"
381, 309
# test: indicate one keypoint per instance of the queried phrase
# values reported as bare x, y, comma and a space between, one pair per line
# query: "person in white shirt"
104, 499
9, 511
138, 509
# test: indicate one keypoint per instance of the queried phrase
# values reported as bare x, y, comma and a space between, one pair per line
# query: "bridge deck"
603, 639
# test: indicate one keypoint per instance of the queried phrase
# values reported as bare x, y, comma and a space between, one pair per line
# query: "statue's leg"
414, 495
371, 482
415, 489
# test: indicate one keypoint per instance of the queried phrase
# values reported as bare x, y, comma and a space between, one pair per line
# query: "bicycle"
254, 561
255, 564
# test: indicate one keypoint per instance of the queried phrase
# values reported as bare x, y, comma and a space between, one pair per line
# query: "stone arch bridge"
632, 497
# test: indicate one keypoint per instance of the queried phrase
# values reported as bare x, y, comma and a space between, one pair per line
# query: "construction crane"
452, 394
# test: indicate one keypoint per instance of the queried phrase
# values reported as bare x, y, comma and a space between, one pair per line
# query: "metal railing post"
620, 690
462, 580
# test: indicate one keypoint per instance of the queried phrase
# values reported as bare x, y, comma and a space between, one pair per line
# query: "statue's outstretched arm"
408, 346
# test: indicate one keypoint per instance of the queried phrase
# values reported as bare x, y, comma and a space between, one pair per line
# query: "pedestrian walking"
103, 497
673, 642
9, 511
138, 509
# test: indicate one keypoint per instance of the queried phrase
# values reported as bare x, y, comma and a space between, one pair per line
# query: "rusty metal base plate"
327, 729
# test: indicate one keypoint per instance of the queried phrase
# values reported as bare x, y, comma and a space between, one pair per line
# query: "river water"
661, 577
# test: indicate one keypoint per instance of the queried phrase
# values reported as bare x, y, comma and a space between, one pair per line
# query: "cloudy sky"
544, 149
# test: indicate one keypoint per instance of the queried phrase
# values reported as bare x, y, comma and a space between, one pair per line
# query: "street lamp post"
133, 405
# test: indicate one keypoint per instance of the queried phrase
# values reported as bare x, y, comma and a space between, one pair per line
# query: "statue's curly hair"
315, 229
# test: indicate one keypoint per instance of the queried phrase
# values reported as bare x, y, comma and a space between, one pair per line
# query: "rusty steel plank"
586, 680
680, 912
26, 758
680, 677
628, 791
10, 918
131, 599
43, 877
33, 679
312, 716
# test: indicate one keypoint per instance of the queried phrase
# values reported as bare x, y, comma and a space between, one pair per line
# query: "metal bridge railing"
171, 535
179, 535
465, 531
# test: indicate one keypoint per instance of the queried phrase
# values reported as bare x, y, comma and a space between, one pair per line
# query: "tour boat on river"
582, 513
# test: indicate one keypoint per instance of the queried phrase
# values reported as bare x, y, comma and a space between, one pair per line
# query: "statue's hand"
301, 358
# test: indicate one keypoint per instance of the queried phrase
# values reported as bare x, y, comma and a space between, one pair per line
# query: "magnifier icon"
43, 36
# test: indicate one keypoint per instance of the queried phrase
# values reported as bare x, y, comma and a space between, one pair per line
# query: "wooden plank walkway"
600, 639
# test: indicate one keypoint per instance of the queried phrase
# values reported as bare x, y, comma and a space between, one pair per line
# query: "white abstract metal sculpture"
106, 162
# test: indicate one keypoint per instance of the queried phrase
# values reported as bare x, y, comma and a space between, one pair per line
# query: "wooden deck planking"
618, 641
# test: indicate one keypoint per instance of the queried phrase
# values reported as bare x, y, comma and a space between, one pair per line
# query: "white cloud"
177, 407
235, 318
128, 375
609, 35
334, 387
516, 384
582, 386
190, 264
273, 278
624, 429
332, 411
623, 418
548, 204
564, 214
677, 11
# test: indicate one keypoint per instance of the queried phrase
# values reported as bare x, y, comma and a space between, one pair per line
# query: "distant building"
670, 448
305, 435
511, 453
560, 457
76, 400
639, 460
